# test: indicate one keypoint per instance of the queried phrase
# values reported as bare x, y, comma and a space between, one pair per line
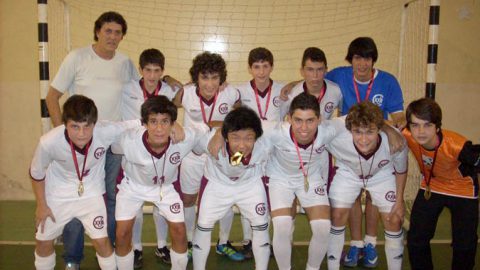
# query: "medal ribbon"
145, 92
305, 173
75, 161
322, 91
259, 106
427, 181
369, 88
204, 116
369, 171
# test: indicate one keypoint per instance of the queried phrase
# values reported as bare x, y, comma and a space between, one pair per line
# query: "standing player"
313, 70
68, 171
235, 180
135, 93
151, 168
262, 95
205, 105
366, 164
449, 164
99, 72
361, 82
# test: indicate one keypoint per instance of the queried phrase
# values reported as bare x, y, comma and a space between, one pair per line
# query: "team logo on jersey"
223, 108
175, 158
98, 222
390, 196
329, 107
261, 209
99, 152
277, 101
320, 191
320, 149
377, 100
427, 160
175, 208
383, 163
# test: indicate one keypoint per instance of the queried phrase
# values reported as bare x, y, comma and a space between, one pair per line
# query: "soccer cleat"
352, 257
229, 251
189, 250
163, 254
72, 266
370, 257
137, 259
247, 249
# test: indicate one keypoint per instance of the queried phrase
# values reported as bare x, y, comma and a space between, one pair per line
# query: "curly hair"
363, 115
208, 63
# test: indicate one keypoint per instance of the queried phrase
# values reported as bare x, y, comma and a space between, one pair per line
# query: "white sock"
357, 243
261, 246
225, 225
318, 243
394, 249
179, 260
44, 263
137, 230
370, 240
282, 230
161, 227
201, 247
189, 221
335, 246
247, 230
125, 262
107, 263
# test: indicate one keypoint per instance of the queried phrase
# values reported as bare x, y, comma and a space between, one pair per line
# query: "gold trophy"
236, 158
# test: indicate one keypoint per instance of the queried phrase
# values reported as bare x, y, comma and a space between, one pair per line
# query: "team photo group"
321, 145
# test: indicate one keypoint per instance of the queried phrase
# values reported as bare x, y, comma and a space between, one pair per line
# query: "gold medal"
80, 189
161, 194
305, 183
236, 158
427, 193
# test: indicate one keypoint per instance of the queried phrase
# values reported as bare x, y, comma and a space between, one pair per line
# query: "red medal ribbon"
75, 161
369, 88
424, 171
259, 106
145, 92
305, 173
204, 116
322, 91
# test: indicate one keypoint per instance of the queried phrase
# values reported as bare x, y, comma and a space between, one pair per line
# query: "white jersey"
83, 72
284, 165
192, 102
269, 111
142, 166
53, 161
133, 97
331, 100
378, 164
221, 171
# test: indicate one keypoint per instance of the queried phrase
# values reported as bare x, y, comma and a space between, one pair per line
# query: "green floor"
17, 238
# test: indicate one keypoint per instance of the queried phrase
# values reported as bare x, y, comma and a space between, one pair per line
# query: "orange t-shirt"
447, 178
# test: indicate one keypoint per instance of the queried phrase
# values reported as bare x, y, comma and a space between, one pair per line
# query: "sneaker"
163, 254
72, 266
370, 257
247, 249
229, 251
189, 250
352, 257
137, 259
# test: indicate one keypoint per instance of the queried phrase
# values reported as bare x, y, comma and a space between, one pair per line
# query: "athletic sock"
282, 230
45, 263
261, 246
394, 249
161, 227
179, 260
370, 240
318, 243
335, 246
357, 243
225, 225
107, 263
247, 230
189, 221
201, 247
125, 262
137, 230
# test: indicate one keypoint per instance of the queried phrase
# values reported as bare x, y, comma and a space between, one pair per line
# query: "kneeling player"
151, 167
235, 179
366, 164
68, 171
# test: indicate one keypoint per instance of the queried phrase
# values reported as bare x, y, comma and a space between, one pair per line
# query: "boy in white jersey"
314, 67
68, 171
150, 165
367, 165
205, 106
235, 179
262, 95
134, 94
